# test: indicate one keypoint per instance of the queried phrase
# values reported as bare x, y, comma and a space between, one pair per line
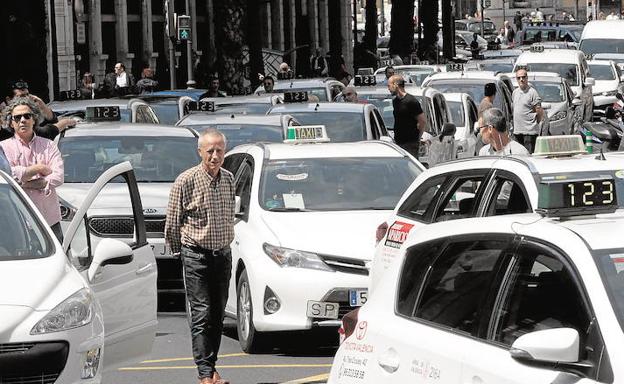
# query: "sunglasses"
18, 118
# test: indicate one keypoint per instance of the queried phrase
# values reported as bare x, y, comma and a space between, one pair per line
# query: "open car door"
122, 276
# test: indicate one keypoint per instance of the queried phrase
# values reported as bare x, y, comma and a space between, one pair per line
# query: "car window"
141, 115
567, 71
80, 253
374, 126
458, 282
243, 186
232, 162
602, 72
540, 294
457, 112
340, 126
423, 199
22, 235
459, 201
508, 198
417, 261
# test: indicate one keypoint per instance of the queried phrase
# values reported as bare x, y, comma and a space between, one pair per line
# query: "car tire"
250, 340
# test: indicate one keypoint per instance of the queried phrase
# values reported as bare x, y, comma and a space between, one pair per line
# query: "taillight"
382, 229
349, 321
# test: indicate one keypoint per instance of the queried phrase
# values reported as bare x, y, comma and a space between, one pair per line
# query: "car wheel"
249, 339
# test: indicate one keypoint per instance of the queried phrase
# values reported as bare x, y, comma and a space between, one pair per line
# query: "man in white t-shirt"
495, 135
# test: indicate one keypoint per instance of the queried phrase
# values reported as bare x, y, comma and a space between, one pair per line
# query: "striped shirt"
201, 210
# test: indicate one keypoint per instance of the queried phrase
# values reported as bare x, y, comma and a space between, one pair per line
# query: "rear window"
340, 126
611, 266
601, 72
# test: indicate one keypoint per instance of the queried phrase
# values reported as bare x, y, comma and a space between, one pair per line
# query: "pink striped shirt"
39, 151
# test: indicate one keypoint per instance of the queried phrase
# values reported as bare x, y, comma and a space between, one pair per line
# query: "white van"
603, 36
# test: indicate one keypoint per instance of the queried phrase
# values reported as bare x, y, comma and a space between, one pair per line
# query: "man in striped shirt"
200, 227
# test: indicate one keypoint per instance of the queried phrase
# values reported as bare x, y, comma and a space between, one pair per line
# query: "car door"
538, 290
443, 290
127, 291
243, 180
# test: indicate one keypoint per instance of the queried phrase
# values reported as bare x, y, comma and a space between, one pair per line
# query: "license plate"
161, 250
322, 310
358, 297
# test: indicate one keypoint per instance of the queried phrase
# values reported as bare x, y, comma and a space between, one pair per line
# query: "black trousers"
527, 140
206, 279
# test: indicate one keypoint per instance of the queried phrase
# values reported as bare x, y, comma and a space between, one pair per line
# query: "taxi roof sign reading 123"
306, 134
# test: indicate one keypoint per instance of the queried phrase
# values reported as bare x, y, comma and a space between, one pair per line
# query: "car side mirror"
557, 345
590, 81
448, 129
109, 251
577, 102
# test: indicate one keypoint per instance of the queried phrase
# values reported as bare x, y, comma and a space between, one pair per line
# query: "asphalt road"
297, 358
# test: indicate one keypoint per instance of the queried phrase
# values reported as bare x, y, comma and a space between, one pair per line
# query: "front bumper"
312, 285
50, 358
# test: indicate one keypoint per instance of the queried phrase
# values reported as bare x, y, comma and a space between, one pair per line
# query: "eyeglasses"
521, 77
18, 118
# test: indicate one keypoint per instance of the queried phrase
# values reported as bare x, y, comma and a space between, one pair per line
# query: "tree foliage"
402, 27
230, 27
428, 16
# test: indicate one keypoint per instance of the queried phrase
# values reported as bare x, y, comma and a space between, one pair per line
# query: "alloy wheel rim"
244, 309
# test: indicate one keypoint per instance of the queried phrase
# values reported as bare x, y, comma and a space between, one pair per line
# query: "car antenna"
316, 107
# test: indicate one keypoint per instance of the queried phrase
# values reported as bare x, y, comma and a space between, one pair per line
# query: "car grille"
39, 379
32, 363
346, 265
124, 226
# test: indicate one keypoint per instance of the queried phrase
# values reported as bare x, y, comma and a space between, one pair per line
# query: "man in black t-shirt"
409, 119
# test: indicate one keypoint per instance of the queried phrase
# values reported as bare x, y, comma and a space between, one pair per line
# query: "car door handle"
389, 361
144, 269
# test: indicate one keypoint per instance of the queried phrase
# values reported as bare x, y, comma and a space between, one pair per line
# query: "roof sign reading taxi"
306, 134
103, 114
558, 146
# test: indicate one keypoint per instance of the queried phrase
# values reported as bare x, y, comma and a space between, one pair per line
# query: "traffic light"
184, 27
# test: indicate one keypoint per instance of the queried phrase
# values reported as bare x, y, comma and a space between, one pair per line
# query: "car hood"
604, 86
114, 197
349, 234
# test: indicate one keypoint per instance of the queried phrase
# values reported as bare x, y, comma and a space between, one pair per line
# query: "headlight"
285, 257
559, 115
67, 210
76, 311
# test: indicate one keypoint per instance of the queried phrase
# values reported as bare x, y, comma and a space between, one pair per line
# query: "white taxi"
68, 312
158, 157
302, 242
483, 186
513, 299
608, 83
569, 64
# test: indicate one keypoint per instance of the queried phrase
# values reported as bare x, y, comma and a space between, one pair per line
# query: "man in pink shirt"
36, 163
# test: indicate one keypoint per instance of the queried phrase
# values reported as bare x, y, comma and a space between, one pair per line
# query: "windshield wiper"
288, 209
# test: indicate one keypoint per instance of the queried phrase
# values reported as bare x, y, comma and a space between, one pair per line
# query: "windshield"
457, 112
167, 112
340, 126
336, 184
567, 71
248, 108
416, 76
238, 134
497, 67
550, 92
601, 72
474, 89
591, 46
154, 158
22, 236
321, 93
488, 27
611, 266
538, 35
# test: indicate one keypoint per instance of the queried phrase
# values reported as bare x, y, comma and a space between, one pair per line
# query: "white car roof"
554, 56
538, 164
223, 119
604, 62
603, 29
318, 107
280, 151
485, 75
127, 129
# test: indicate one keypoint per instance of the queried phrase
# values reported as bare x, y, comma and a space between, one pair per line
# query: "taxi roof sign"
454, 67
557, 146
536, 48
109, 113
364, 80
306, 134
